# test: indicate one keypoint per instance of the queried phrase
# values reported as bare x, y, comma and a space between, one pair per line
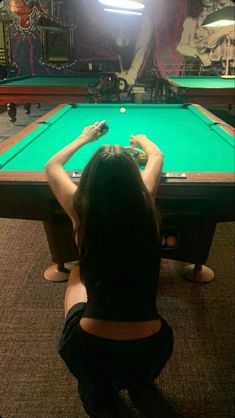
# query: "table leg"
59, 238
11, 110
58, 272
198, 273
27, 108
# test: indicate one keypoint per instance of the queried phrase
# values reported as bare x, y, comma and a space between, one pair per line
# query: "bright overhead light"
123, 4
124, 12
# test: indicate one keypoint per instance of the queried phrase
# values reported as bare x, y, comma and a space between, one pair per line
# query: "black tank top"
123, 299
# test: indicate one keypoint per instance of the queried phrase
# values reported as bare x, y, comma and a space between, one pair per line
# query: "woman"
113, 335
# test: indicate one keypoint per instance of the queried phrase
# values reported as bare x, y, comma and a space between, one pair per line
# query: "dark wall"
101, 38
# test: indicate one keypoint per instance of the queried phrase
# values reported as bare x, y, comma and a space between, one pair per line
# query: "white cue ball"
122, 110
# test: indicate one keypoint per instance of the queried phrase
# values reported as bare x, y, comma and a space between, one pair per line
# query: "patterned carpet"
198, 381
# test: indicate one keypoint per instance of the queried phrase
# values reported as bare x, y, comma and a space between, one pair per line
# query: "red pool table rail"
50, 94
201, 95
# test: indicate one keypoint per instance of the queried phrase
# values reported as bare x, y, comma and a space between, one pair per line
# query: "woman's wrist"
82, 140
152, 150
156, 154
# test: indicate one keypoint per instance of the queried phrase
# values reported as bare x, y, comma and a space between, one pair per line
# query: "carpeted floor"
198, 381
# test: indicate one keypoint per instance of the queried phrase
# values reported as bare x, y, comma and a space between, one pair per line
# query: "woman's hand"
152, 172
140, 140
93, 132
148, 146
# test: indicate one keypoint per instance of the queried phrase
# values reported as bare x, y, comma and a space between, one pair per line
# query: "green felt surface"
204, 82
189, 140
52, 81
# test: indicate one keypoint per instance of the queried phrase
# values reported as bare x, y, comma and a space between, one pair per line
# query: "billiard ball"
104, 127
123, 110
171, 241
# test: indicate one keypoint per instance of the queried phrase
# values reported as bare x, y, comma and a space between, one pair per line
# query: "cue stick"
228, 55
120, 63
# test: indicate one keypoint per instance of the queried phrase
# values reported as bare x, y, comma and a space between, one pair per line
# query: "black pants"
103, 366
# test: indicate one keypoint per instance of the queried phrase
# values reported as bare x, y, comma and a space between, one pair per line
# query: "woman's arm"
152, 172
60, 182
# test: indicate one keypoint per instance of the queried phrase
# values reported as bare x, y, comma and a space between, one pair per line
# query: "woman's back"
119, 239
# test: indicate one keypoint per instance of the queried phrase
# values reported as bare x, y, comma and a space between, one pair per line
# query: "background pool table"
203, 90
195, 143
47, 89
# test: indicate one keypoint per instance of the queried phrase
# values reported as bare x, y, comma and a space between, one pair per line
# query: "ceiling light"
123, 4
124, 12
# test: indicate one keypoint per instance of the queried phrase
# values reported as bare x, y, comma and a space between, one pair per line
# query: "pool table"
47, 89
203, 90
197, 187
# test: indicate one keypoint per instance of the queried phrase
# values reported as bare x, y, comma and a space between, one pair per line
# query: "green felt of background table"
38, 81
189, 140
203, 82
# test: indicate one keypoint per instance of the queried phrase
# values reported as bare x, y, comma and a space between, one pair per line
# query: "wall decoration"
207, 45
26, 14
58, 49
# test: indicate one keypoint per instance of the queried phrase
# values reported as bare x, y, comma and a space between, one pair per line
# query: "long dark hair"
117, 234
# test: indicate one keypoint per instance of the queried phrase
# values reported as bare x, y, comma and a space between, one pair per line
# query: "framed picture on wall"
57, 47
4, 44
